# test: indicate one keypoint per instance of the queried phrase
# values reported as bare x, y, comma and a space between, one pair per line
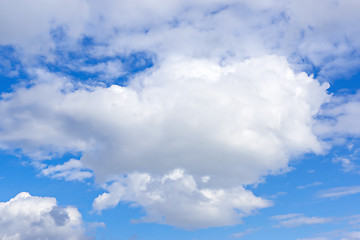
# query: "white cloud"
70, 171
29, 24
314, 184
244, 233
176, 199
343, 117
295, 220
346, 164
28, 217
184, 114
351, 236
227, 124
314, 238
339, 192
328, 39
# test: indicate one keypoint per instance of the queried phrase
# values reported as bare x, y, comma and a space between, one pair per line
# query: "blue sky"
182, 120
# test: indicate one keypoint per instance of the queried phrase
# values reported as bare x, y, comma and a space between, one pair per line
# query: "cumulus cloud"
295, 220
225, 125
209, 119
28, 217
176, 199
228, 114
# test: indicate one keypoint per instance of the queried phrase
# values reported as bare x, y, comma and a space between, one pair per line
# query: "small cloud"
277, 195
346, 163
338, 192
314, 184
241, 234
315, 238
70, 171
298, 219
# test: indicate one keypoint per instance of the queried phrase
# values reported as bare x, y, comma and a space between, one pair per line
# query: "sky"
184, 120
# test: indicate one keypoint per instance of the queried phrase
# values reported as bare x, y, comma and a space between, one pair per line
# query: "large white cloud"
225, 125
241, 121
27, 217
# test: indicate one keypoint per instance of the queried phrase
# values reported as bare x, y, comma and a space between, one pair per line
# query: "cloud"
229, 114
30, 25
70, 171
351, 236
314, 184
339, 192
314, 238
176, 199
195, 29
186, 113
295, 220
241, 234
28, 217
342, 117
230, 125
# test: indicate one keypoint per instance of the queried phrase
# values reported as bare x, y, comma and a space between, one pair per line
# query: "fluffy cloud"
241, 121
177, 200
295, 220
28, 217
225, 125
215, 29
226, 121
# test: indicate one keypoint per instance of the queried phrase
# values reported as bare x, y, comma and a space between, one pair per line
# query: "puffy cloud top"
27, 217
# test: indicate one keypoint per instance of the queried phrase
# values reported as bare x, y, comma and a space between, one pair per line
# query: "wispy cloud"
298, 219
241, 234
338, 192
314, 184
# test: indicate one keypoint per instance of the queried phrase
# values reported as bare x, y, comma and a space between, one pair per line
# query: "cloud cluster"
326, 39
27, 217
219, 102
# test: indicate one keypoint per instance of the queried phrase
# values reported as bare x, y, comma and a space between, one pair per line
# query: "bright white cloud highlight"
27, 217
